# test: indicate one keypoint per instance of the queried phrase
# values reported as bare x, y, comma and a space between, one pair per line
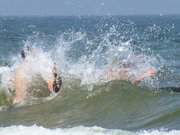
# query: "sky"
87, 7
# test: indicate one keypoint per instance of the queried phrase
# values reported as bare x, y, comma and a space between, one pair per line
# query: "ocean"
84, 48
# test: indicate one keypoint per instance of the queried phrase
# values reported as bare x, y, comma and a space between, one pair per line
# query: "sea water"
84, 49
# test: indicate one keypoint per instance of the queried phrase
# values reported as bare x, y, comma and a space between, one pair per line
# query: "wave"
88, 56
36, 130
90, 102
77, 56
116, 104
88, 97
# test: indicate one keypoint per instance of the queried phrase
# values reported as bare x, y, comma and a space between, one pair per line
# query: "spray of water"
79, 56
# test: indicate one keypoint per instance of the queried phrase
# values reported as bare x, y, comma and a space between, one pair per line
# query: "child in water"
21, 81
55, 84
124, 73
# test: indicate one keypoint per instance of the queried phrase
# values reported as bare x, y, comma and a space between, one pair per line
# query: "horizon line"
93, 15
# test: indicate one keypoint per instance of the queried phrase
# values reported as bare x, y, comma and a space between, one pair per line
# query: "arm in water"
124, 74
149, 73
21, 78
20, 86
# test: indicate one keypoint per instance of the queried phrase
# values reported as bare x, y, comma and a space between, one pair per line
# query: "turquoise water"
83, 48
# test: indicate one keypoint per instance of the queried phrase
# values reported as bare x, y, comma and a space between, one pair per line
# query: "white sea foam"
38, 130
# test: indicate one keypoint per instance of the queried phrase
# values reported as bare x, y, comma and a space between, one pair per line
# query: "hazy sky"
88, 7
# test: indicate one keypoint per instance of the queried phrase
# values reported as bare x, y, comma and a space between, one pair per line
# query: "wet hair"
55, 75
23, 55
57, 80
25, 51
57, 84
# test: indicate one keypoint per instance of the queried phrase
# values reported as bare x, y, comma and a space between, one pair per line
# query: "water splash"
79, 131
85, 57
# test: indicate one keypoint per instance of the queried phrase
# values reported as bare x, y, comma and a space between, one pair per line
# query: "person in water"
21, 81
124, 73
55, 84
